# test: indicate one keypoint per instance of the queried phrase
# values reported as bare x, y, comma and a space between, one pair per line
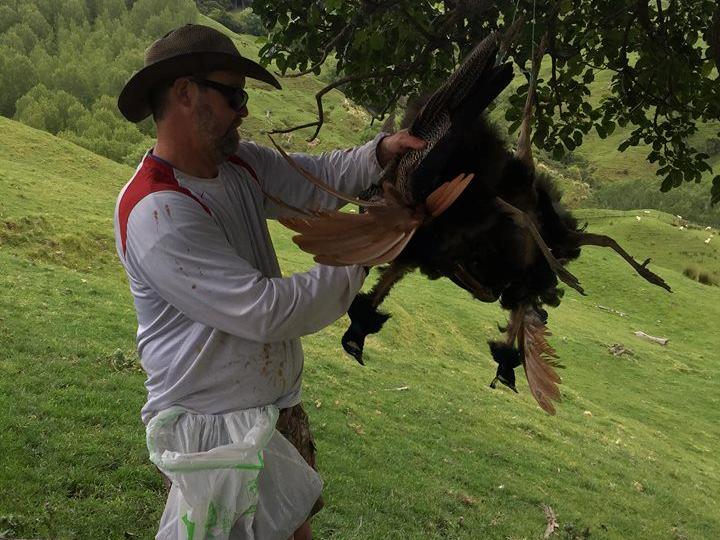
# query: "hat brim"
134, 99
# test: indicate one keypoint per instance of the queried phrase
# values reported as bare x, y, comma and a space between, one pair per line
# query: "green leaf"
715, 191
512, 114
666, 185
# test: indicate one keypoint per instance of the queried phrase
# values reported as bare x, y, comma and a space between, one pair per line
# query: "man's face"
216, 122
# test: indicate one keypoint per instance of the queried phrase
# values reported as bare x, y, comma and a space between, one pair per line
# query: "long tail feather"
539, 361
319, 183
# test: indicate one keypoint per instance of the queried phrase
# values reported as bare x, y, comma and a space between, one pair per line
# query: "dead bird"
467, 209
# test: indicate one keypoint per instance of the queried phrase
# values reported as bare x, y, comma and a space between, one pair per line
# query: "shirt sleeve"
349, 171
185, 258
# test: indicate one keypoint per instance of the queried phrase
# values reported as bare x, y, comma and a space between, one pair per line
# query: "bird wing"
539, 361
376, 236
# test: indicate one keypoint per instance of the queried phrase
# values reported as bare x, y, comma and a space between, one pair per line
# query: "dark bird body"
498, 230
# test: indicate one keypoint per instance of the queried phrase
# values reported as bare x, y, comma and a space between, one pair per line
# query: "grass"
415, 445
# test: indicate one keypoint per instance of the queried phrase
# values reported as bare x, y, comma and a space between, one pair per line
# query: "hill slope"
415, 444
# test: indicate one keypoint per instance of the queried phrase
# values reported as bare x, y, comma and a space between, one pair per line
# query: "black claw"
353, 345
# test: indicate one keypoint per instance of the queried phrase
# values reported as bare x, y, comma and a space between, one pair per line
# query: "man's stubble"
222, 140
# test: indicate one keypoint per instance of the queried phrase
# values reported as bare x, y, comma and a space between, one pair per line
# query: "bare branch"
318, 98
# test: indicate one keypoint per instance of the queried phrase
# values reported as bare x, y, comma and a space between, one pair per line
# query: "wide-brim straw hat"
187, 50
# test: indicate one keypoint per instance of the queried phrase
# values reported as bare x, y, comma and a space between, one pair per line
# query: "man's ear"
184, 92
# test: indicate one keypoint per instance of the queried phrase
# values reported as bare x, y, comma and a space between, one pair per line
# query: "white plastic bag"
233, 476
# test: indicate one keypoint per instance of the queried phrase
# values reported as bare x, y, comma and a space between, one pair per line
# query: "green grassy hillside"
415, 445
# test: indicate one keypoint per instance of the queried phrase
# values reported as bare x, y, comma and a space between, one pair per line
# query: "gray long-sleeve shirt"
218, 327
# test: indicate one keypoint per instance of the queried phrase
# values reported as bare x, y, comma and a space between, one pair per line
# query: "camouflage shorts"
294, 425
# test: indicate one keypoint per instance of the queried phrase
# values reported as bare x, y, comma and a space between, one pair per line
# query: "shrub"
706, 278
700, 275
691, 272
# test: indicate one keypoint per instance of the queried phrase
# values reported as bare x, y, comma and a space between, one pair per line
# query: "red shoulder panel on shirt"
237, 161
153, 176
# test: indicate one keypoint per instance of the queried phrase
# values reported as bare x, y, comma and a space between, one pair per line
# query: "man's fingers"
402, 141
414, 142
396, 145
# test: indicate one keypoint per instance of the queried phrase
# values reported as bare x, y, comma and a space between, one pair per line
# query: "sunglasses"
236, 98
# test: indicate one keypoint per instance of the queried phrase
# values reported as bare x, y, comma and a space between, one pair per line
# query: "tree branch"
318, 98
326, 52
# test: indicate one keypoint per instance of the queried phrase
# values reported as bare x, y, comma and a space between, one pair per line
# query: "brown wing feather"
370, 251
379, 253
391, 254
441, 199
374, 237
539, 361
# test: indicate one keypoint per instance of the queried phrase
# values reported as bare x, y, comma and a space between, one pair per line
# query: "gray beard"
221, 146
228, 143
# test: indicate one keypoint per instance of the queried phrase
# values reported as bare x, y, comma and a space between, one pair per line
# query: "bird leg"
591, 239
465, 279
524, 144
523, 220
364, 316
505, 353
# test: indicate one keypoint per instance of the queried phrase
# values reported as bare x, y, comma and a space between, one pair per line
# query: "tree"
49, 110
17, 76
105, 132
663, 57
19, 37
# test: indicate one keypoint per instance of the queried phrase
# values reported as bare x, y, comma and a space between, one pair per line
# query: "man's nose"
243, 112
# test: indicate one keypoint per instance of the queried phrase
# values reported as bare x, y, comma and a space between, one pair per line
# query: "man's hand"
396, 145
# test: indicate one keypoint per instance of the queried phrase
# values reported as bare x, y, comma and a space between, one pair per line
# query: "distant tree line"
63, 64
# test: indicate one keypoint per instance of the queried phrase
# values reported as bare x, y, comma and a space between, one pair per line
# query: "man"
218, 326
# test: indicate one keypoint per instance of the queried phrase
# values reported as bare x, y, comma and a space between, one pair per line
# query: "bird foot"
353, 344
502, 380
